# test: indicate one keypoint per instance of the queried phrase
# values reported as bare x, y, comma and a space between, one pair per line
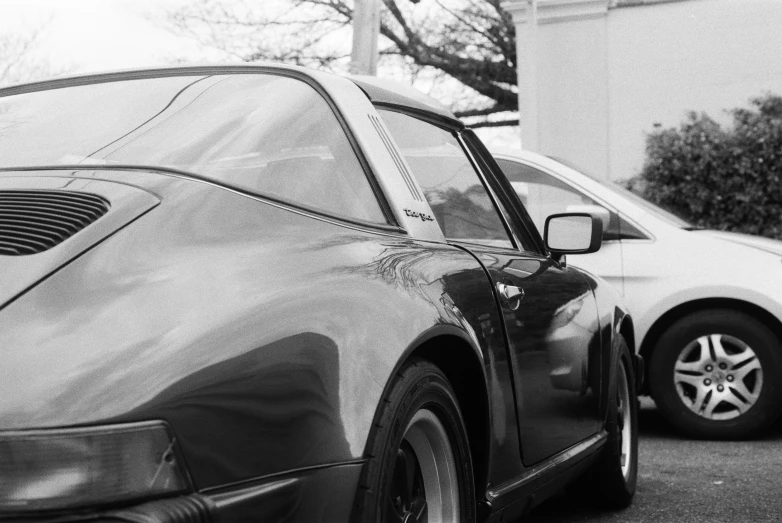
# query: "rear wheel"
612, 479
714, 374
419, 467
617, 472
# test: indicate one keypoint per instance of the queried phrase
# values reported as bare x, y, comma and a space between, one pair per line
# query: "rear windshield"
268, 134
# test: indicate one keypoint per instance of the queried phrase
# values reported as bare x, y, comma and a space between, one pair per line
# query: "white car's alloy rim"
719, 377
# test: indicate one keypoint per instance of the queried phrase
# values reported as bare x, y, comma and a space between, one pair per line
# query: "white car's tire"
716, 374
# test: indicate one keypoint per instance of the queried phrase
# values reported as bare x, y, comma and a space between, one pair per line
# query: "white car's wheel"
715, 374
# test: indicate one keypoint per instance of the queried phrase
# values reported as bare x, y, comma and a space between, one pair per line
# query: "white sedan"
707, 305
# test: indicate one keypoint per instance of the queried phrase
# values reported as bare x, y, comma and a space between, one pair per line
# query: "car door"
551, 323
548, 310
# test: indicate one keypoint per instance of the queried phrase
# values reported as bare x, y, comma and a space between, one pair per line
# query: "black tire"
612, 479
741, 337
419, 399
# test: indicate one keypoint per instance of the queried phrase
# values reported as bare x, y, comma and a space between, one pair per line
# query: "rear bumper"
316, 494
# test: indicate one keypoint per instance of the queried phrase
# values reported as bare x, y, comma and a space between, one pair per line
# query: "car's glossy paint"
673, 267
265, 334
242, 317
127, 204
553, 329
759, 242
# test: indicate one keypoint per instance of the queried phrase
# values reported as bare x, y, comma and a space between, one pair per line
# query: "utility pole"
525, 18
366, 27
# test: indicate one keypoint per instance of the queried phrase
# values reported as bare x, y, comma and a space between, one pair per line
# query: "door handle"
510, 293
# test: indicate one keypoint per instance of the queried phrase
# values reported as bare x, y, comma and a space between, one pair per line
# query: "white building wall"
604, 77
667, 59
573, 110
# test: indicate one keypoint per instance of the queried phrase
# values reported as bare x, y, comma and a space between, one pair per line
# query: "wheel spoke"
719, 350
688, 366
737, 402
747, 365
699, 402
419, 508
713, 401
396, 517
689, 379
704, 357
739, 391
705, 352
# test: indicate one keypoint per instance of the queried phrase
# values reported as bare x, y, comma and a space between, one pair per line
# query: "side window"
628, 231
544, 195
462, 206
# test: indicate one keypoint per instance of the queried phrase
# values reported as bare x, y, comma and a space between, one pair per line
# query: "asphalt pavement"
687, 481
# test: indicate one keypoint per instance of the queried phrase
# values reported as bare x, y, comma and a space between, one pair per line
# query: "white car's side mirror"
573, 233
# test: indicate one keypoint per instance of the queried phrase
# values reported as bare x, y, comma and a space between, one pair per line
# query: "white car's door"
544, 194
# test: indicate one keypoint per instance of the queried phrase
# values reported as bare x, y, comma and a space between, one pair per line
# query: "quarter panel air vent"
33, 221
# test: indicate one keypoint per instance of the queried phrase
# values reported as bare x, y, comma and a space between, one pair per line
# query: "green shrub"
721, 178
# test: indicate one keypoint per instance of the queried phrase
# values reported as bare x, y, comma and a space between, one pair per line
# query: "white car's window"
460, 203
272, 135
659, 212
544, 195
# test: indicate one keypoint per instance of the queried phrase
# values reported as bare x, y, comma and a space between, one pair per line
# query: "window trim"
420, 114
310, 212
516, 244
506, 197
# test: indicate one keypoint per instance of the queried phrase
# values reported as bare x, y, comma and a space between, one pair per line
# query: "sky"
82, 36
98, 35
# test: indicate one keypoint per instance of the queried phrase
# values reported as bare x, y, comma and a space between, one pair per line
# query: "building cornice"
555, 11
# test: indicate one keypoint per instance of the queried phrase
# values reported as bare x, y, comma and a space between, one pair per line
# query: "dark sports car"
272, 294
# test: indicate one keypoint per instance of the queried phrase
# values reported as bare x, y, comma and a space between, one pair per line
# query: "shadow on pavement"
651, 424
662, 451
565, 507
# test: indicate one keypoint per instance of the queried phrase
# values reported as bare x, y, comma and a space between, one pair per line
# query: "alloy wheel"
623, 419
425, 482
718, 377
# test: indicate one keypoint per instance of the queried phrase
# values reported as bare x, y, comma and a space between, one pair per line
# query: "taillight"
70, 468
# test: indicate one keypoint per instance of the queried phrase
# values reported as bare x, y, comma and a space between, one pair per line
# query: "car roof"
523, 155
559, 167
389, 92
378, 90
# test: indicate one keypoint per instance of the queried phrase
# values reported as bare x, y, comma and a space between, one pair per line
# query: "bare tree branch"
463, 48
18, 62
